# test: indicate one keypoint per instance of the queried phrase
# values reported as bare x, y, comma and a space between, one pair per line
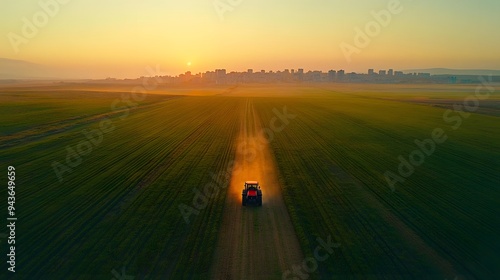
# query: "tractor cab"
251, 193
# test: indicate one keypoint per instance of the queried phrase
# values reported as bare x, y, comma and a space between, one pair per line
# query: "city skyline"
91, 39
18, 70
299, 75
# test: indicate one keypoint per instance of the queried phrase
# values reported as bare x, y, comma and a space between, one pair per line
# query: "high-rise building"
340, 73
391, 72
250, 71
382, 72
332, 74
371, 72
300, 74
220, 75
220, 72
316, 76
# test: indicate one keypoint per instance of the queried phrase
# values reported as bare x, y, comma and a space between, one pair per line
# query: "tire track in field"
255, 242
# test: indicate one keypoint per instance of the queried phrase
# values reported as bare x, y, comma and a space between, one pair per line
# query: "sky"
120, 38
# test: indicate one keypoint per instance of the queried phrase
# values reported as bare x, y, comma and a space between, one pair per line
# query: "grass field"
117, 204
119, 207
441, 222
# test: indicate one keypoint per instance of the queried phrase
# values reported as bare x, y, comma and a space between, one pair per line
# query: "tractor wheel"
243, 202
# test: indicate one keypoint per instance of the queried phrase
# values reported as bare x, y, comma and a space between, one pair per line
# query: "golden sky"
119, 38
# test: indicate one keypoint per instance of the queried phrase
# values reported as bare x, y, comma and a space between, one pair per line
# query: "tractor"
251, 194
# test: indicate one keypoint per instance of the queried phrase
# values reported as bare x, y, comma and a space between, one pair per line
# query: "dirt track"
255, 242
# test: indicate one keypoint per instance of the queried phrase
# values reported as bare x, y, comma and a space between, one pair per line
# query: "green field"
118, 204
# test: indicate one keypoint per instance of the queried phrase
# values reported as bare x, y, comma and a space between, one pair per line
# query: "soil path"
255, 242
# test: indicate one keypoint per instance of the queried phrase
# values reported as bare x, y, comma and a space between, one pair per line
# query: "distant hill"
446, 71
20, 69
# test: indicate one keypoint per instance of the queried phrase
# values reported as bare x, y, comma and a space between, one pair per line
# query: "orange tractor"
251, 193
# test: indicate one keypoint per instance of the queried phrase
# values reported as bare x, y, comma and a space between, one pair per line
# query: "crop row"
441, 221
120, 206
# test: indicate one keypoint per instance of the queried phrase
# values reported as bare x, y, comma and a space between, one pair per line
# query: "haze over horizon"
96, 39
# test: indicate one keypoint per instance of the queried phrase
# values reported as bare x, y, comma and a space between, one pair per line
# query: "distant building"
300, 74
340, 74
220, 72
316, 76
332, 74
209, 77
220, 76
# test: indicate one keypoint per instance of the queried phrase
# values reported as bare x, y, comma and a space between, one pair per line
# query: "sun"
189, 63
